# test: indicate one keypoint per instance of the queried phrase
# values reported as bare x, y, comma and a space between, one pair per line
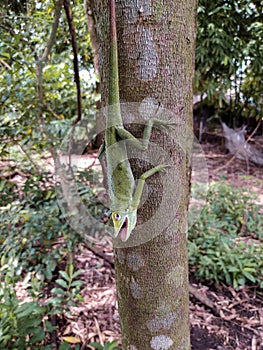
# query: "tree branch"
75, 54
57, 13
42, 60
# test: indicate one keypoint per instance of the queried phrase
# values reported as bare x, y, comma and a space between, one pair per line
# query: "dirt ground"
235, 320
237, 326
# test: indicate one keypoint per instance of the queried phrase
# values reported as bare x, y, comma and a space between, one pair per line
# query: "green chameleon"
124, 195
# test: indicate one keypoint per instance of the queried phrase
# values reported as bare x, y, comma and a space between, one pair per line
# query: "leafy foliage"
225, 243
67, 290
32, 226
24, 119
35, 239
20, 322
229, 55
107, 346
29, 226
34, 236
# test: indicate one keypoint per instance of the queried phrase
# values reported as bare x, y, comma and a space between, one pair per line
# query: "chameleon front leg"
142, 145
138, 191
126, 135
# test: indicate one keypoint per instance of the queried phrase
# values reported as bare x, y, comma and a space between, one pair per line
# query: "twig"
75, 55
203, 299
98, 330
254, 131
54, 336
226, 164
51, 110
93, 34
13, 33
100, 254
47, 50
40, 63
22, 150
5, 64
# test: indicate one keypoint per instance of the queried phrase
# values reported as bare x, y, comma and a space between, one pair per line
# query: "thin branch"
75, 55
90, 19
98, 253
57, 13
51, 110
203, 299
40, 63
5, 64
255, 130
23, 151
226, 164
7, 29
12, 174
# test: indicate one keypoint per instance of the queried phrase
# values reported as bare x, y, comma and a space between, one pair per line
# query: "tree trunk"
156, 42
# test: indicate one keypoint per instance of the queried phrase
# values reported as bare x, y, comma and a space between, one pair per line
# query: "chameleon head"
124, 222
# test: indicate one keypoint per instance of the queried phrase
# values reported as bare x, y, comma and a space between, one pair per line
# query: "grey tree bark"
156, 42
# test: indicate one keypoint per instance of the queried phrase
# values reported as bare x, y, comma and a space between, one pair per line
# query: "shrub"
225, 242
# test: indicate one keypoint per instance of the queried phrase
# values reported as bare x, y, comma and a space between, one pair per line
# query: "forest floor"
235, 319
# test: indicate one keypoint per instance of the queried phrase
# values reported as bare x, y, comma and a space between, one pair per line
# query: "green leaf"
26, 309
65, 276
62, 283
5, 54
50, 328
57, 300
96, 345
76, 283
113, 345
58, 291
249, 276
30, 323
38, 336
77, 273
64, 346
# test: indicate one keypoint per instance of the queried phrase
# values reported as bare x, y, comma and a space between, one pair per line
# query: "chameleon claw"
167, 125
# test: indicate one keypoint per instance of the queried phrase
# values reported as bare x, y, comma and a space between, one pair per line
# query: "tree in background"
37, 107
228, 59
229, 56
38, 113
228, 64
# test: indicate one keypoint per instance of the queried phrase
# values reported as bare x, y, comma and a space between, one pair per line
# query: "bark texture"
156, 41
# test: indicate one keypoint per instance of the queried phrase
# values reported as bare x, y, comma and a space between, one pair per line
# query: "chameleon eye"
117, 216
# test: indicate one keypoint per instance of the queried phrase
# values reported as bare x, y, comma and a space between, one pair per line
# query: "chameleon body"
124, 194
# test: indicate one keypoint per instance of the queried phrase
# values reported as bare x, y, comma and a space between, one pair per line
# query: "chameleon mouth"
124, 230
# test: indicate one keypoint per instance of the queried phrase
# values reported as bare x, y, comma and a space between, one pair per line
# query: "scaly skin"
124, 197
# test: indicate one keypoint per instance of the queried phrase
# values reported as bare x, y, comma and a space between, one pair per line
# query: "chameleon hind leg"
139, 189
142, 145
